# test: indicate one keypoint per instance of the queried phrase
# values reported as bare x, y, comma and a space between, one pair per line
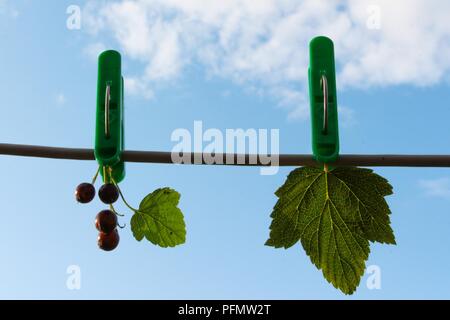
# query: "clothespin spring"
324, 86
107, 102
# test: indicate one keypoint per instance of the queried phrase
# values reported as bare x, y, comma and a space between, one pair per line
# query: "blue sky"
234, 66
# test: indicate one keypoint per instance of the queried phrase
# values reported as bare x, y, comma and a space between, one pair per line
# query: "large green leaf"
334, 215
159, 220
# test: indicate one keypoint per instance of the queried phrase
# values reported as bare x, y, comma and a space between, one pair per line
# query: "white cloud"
138, 87
94, 49
60, 99
263, 44
346, 116
439, 187
7, 9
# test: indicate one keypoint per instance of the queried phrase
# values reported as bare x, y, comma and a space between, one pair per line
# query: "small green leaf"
159, 220
334, 215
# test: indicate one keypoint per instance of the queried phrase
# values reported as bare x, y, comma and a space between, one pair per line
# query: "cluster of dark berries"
106, 220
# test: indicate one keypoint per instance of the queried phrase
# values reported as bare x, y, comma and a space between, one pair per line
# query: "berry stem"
114, 210
96, 175
123, 198
105, 174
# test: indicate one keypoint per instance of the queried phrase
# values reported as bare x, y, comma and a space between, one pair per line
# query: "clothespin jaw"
323, 100
109, 131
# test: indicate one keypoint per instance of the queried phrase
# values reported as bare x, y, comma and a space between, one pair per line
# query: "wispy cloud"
346, 116
264, 44
439, 187
138, 87
7, 9
60, 99
94, 49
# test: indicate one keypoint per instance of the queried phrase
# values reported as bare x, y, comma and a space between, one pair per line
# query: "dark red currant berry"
108, 241
85, 192
108, 193
106, 221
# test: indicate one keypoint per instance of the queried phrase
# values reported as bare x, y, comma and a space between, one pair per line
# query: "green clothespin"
323, 100
109, 131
